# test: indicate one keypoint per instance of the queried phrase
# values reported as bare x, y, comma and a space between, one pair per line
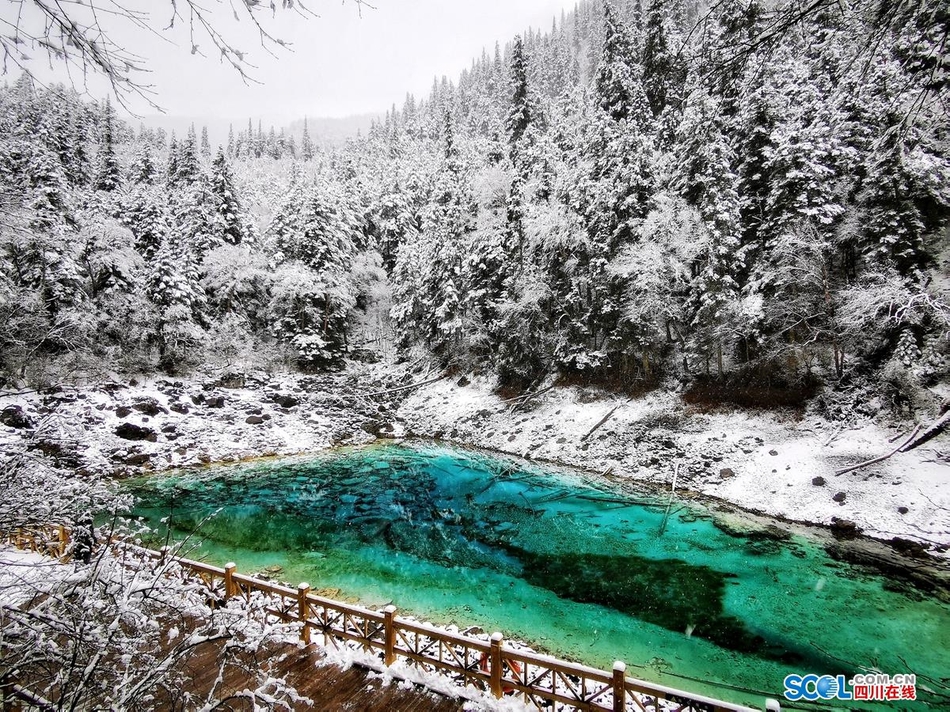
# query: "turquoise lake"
686, 597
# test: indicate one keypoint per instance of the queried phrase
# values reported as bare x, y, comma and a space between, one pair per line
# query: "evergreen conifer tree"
306, 145
520, 113
108, 176
619, 81
205, 143
228, 219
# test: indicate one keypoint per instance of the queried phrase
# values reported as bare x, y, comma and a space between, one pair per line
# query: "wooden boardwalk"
489, 665
331, 688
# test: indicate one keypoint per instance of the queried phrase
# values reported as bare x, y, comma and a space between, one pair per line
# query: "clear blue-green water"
583, 571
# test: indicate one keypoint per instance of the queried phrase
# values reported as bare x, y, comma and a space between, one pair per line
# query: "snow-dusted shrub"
125, 631
121, 631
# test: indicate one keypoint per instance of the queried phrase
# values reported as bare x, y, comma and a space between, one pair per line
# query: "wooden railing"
545, 682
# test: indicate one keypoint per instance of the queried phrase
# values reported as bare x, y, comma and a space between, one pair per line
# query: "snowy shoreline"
768, 464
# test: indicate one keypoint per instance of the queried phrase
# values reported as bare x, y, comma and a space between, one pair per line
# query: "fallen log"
527, 396
834, 435
666, 514
929, 434
404, 388
881, 458
601, 422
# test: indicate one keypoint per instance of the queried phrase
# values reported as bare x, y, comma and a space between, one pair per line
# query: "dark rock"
135, 458
844, 528
170, 428
902, 510
123, 411
909, 547
13, 417
839, 497
131, 431
215, 402
266, 416
198, 399
254, 420
231, 380
177, 407
285, 400
773, 453
511, 438
818, 481
342, 436
462, 382
149, 406
726, 472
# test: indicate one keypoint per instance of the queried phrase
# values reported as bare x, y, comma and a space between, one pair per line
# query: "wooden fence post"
389, 629
303, 590
494, 657
620, 686
63, 541
229, 589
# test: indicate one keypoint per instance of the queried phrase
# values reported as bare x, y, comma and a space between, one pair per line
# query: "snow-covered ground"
775, 464
119, 429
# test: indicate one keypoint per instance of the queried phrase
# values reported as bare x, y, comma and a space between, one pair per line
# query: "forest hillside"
735, 200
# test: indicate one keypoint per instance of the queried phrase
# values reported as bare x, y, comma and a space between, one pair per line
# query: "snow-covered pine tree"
185, 168
175, 290
229, 221
143, 169
313, 235
143, 209
706, 179
306, 144
520, 113
205, 143
108, 176
619, 79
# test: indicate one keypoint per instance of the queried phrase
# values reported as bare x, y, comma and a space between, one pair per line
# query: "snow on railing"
539, 680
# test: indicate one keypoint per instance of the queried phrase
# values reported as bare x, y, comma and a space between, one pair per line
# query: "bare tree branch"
80, 36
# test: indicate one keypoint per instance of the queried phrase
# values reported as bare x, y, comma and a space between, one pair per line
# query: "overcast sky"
345, 61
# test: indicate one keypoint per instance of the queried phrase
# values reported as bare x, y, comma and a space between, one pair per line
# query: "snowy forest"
645, 194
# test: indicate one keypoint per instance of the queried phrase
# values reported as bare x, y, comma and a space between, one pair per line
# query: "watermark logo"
871, 688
